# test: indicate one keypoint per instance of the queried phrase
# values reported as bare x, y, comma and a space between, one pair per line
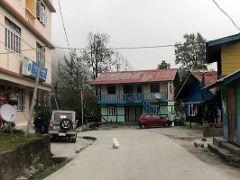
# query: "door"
132, 117
231, 113
128, 90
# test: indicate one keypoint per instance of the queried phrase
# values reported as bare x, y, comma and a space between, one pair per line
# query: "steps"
227, 151
148, 106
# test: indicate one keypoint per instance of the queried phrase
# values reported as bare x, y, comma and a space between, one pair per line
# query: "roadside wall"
32, 156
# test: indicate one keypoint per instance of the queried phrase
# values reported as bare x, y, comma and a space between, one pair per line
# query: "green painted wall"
119, 117
120, 114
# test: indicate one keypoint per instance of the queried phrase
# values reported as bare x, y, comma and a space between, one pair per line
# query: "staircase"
149, 107
227, 151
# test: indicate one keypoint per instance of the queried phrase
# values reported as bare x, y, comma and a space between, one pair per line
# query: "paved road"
67, 149
143, 155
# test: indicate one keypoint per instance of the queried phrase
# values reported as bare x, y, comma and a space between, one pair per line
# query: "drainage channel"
59, 162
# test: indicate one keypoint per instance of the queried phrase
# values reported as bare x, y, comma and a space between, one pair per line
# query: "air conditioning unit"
27, 67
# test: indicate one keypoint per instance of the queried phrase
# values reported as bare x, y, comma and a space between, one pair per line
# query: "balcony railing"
130, 98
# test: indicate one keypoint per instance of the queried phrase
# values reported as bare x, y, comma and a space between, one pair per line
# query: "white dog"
115, 143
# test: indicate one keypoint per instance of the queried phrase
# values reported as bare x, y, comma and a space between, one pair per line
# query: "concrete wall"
18, 160
12, 61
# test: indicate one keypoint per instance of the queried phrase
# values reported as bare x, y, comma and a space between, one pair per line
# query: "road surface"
143, 155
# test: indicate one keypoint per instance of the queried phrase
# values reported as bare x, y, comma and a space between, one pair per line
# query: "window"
20, 101
111, 90
12, 36
155, 88
139, 89
41, 12
147, 116
40, 54
111, 111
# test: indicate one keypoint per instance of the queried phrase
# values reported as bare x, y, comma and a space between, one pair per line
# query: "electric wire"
64, 28
226, 14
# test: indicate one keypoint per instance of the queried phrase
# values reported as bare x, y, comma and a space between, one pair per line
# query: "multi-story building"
124, 96
226, 52
25, 33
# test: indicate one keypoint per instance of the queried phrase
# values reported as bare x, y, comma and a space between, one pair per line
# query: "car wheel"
169, 124
66, 124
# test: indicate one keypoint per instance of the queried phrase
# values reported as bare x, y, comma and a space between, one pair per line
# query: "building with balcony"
25, 33
124, 96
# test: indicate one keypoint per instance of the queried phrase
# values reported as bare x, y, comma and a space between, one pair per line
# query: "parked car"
63, 125
152, 120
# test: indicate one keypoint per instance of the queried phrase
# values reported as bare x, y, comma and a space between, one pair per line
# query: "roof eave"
213, 47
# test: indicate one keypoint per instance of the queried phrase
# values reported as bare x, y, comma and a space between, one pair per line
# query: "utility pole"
33, 98
82, 106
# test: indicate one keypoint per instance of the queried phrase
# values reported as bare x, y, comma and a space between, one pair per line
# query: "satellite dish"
158, 96
8, 112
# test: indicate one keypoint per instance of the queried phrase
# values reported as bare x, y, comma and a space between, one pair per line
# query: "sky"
134, 23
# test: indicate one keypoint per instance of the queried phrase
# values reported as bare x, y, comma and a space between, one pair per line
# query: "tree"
97, 54
74, 77
163, 65
121, 62
192, 53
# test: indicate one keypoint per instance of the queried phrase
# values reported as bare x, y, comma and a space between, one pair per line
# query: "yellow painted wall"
230, 56
31, 5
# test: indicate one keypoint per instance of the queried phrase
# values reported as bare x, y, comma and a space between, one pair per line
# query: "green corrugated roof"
225, 40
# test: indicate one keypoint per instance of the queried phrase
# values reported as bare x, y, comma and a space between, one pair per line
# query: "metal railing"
131, 97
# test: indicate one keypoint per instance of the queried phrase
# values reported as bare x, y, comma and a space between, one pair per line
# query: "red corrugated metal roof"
123, 77
210, 77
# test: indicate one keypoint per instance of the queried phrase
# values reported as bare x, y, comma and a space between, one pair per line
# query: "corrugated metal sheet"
209, 78
123, 77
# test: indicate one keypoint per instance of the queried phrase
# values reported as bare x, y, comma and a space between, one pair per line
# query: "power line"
226, 14
60, 10
21, 55
127, 48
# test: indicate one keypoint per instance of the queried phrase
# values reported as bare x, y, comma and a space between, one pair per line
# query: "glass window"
147, 116
41, 12
111, 111
40, 54
155, 88
20, 102
139, 89
12, 36
111, 90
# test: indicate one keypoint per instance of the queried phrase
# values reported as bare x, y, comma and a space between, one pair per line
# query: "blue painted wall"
194, 92
224, 114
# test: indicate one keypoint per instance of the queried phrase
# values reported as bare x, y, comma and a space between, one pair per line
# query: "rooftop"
141, 76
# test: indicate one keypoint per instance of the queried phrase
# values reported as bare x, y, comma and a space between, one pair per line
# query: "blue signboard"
34, 70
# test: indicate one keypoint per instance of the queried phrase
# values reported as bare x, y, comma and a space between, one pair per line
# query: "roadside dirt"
186, 137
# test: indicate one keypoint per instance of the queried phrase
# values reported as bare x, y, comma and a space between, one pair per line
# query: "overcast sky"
133, 23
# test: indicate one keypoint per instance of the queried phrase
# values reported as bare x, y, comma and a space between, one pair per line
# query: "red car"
153, 120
